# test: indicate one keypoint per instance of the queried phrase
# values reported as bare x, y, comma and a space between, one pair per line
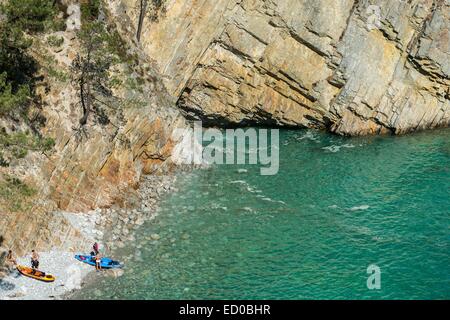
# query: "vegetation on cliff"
103, 65
90, 73
16, 70
21, 20
15, 195
101, 49
16, 145
20, 116
33, 16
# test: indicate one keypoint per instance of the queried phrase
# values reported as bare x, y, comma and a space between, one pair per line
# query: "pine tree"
16, 70
90, 72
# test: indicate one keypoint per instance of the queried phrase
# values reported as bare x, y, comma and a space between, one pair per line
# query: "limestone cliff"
94, 168
352, 66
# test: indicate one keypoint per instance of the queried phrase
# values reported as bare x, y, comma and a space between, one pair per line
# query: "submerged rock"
155, 236
115, 273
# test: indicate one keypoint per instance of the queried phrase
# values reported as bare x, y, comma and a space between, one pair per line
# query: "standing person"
98, 262
34, 260
95, 247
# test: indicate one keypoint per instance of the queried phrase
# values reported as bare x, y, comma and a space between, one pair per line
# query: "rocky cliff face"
93, 168
352, 66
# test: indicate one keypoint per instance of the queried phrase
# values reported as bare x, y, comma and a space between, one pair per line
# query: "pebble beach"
110, 227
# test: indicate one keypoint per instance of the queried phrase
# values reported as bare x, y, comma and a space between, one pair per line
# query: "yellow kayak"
38, 275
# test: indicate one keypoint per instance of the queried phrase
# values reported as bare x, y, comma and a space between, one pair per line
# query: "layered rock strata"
353, 66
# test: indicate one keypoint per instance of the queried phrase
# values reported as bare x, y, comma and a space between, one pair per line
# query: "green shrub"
90, 10
55, 41
11, 102
3, 162
15, 194
17, 68
17, 145
30, 15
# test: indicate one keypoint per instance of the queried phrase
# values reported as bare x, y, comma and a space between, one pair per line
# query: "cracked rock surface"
352, 66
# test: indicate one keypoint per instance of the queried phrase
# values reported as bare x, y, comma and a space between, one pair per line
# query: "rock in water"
155, 236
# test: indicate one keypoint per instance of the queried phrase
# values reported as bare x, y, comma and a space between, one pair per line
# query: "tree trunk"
86, 104
85, 83
85, 92
143, 11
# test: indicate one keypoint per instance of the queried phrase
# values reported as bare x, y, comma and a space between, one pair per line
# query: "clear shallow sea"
336, 206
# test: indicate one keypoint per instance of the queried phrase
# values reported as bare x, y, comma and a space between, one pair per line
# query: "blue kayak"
106, 263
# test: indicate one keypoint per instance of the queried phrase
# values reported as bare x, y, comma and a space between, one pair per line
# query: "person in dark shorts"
34, 260
95, 247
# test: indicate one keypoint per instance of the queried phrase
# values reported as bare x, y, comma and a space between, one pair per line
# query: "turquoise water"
336, 206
